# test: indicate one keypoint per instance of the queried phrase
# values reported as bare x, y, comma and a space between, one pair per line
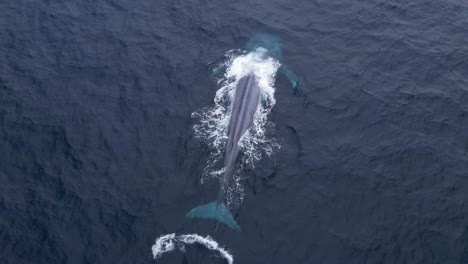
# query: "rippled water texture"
98, 157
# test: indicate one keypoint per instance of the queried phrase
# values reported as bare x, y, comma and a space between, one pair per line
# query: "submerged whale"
243, 108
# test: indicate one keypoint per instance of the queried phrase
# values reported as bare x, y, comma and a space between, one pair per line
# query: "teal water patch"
269, 42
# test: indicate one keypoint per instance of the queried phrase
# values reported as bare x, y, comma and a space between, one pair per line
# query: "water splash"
212, 126
170, 242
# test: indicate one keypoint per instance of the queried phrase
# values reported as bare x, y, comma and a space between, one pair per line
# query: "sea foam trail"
169, 242
212, 125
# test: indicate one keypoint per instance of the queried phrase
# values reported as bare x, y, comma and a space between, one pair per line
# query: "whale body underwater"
246, 101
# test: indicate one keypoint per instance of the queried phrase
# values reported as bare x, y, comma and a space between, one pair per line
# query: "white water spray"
169, 242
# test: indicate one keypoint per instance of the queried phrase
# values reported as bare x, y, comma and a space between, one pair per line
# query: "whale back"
246, 101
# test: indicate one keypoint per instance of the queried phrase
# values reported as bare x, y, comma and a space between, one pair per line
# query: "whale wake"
170, 242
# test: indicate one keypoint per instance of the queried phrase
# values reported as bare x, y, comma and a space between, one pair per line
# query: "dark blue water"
98, 156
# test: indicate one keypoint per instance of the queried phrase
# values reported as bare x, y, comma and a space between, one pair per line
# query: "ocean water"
99, 158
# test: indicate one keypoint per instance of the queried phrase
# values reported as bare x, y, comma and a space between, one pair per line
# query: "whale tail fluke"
214, 210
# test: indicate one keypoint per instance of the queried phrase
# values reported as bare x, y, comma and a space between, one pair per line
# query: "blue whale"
246, 100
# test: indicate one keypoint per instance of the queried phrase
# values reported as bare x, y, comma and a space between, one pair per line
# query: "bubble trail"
170, 242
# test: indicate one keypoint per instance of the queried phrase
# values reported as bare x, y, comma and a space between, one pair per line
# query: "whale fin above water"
214, 210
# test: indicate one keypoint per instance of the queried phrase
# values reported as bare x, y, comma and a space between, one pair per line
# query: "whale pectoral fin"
291, 77
214, 210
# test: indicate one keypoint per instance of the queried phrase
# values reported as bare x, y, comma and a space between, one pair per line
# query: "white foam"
169, 242
213, 122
